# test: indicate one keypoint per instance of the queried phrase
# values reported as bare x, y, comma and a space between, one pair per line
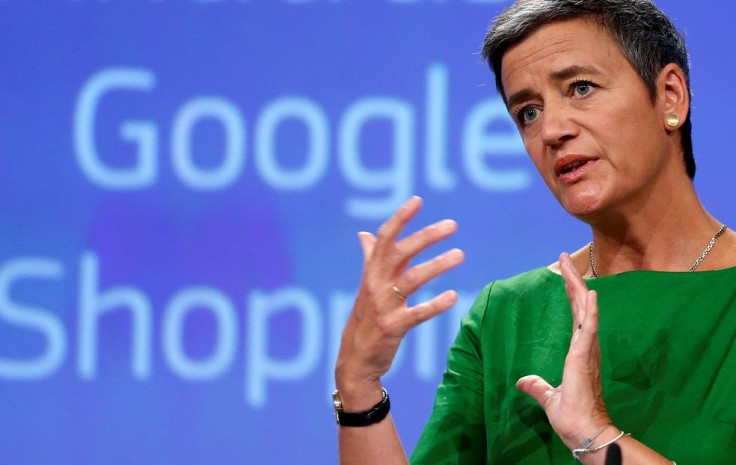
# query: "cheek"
536, 154
630, 123
626, 137
617, 134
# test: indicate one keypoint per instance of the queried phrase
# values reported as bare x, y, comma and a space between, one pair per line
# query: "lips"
570, 168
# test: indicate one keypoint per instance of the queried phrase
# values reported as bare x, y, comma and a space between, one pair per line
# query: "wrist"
588, 430
368, 417
358, 395
593, 448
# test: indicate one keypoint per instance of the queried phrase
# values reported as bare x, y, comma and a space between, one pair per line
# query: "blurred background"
182, 184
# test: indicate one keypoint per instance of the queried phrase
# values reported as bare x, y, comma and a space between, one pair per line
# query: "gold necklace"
692, 268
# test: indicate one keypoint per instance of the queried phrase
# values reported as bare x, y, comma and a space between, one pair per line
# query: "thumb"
536, 388
367, 243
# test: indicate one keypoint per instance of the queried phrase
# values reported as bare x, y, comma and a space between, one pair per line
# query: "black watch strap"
374, 415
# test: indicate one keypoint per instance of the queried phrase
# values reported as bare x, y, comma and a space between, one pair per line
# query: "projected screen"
182, 184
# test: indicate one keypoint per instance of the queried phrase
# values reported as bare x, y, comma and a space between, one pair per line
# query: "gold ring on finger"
398, 293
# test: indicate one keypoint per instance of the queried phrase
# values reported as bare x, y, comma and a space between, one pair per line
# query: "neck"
663, 233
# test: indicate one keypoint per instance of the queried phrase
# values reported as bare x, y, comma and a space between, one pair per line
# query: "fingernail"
446, 226
455, 254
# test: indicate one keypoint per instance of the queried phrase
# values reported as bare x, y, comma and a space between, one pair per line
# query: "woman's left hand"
575, 408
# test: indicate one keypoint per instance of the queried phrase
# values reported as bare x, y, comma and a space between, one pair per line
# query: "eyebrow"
573, 70
557, 76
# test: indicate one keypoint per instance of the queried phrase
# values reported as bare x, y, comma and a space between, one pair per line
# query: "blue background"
191, 311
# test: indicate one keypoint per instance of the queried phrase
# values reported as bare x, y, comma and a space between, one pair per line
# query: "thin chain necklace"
692, 268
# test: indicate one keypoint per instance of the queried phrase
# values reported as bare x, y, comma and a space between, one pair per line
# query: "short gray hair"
645, 36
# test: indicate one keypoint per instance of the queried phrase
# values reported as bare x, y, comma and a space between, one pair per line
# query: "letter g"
143, 172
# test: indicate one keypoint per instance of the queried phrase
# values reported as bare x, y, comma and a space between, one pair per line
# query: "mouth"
571, 167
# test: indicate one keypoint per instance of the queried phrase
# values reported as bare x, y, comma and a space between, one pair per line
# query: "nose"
557, 124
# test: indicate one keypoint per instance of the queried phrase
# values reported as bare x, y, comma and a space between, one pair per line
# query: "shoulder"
532, 290
538, 279
504, 304
724, 253
525, 310
532, 280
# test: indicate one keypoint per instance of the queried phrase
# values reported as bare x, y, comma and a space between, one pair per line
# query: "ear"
673, 94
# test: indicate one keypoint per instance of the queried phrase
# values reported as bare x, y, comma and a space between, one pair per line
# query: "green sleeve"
455, 432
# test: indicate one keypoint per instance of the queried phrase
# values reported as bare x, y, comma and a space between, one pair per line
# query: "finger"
367, 244
572, 298
584, 342
420, 240
536, 388
573, 279
589, 332
389, 231
578, 288
426, 310
421, 274
574, 307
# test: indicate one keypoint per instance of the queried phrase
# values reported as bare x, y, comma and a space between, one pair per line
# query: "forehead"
556, 46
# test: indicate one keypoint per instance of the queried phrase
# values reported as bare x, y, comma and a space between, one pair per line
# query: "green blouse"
668, 368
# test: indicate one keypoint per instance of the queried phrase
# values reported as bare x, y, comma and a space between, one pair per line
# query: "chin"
582, 205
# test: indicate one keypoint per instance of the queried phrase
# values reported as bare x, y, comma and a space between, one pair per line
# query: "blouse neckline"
652, 273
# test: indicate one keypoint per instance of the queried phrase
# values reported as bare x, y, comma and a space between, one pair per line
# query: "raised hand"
575, 408
381, 316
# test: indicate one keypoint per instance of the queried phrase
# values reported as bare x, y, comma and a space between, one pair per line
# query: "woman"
599, 90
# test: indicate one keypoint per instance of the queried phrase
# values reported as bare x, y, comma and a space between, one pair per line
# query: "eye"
527, 114
582, 88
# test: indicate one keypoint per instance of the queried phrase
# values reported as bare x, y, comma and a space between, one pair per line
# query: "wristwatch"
368, 417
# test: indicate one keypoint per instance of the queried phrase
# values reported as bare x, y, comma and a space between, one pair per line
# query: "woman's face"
586, 118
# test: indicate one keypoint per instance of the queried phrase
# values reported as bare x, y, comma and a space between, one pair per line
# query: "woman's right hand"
380, 316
